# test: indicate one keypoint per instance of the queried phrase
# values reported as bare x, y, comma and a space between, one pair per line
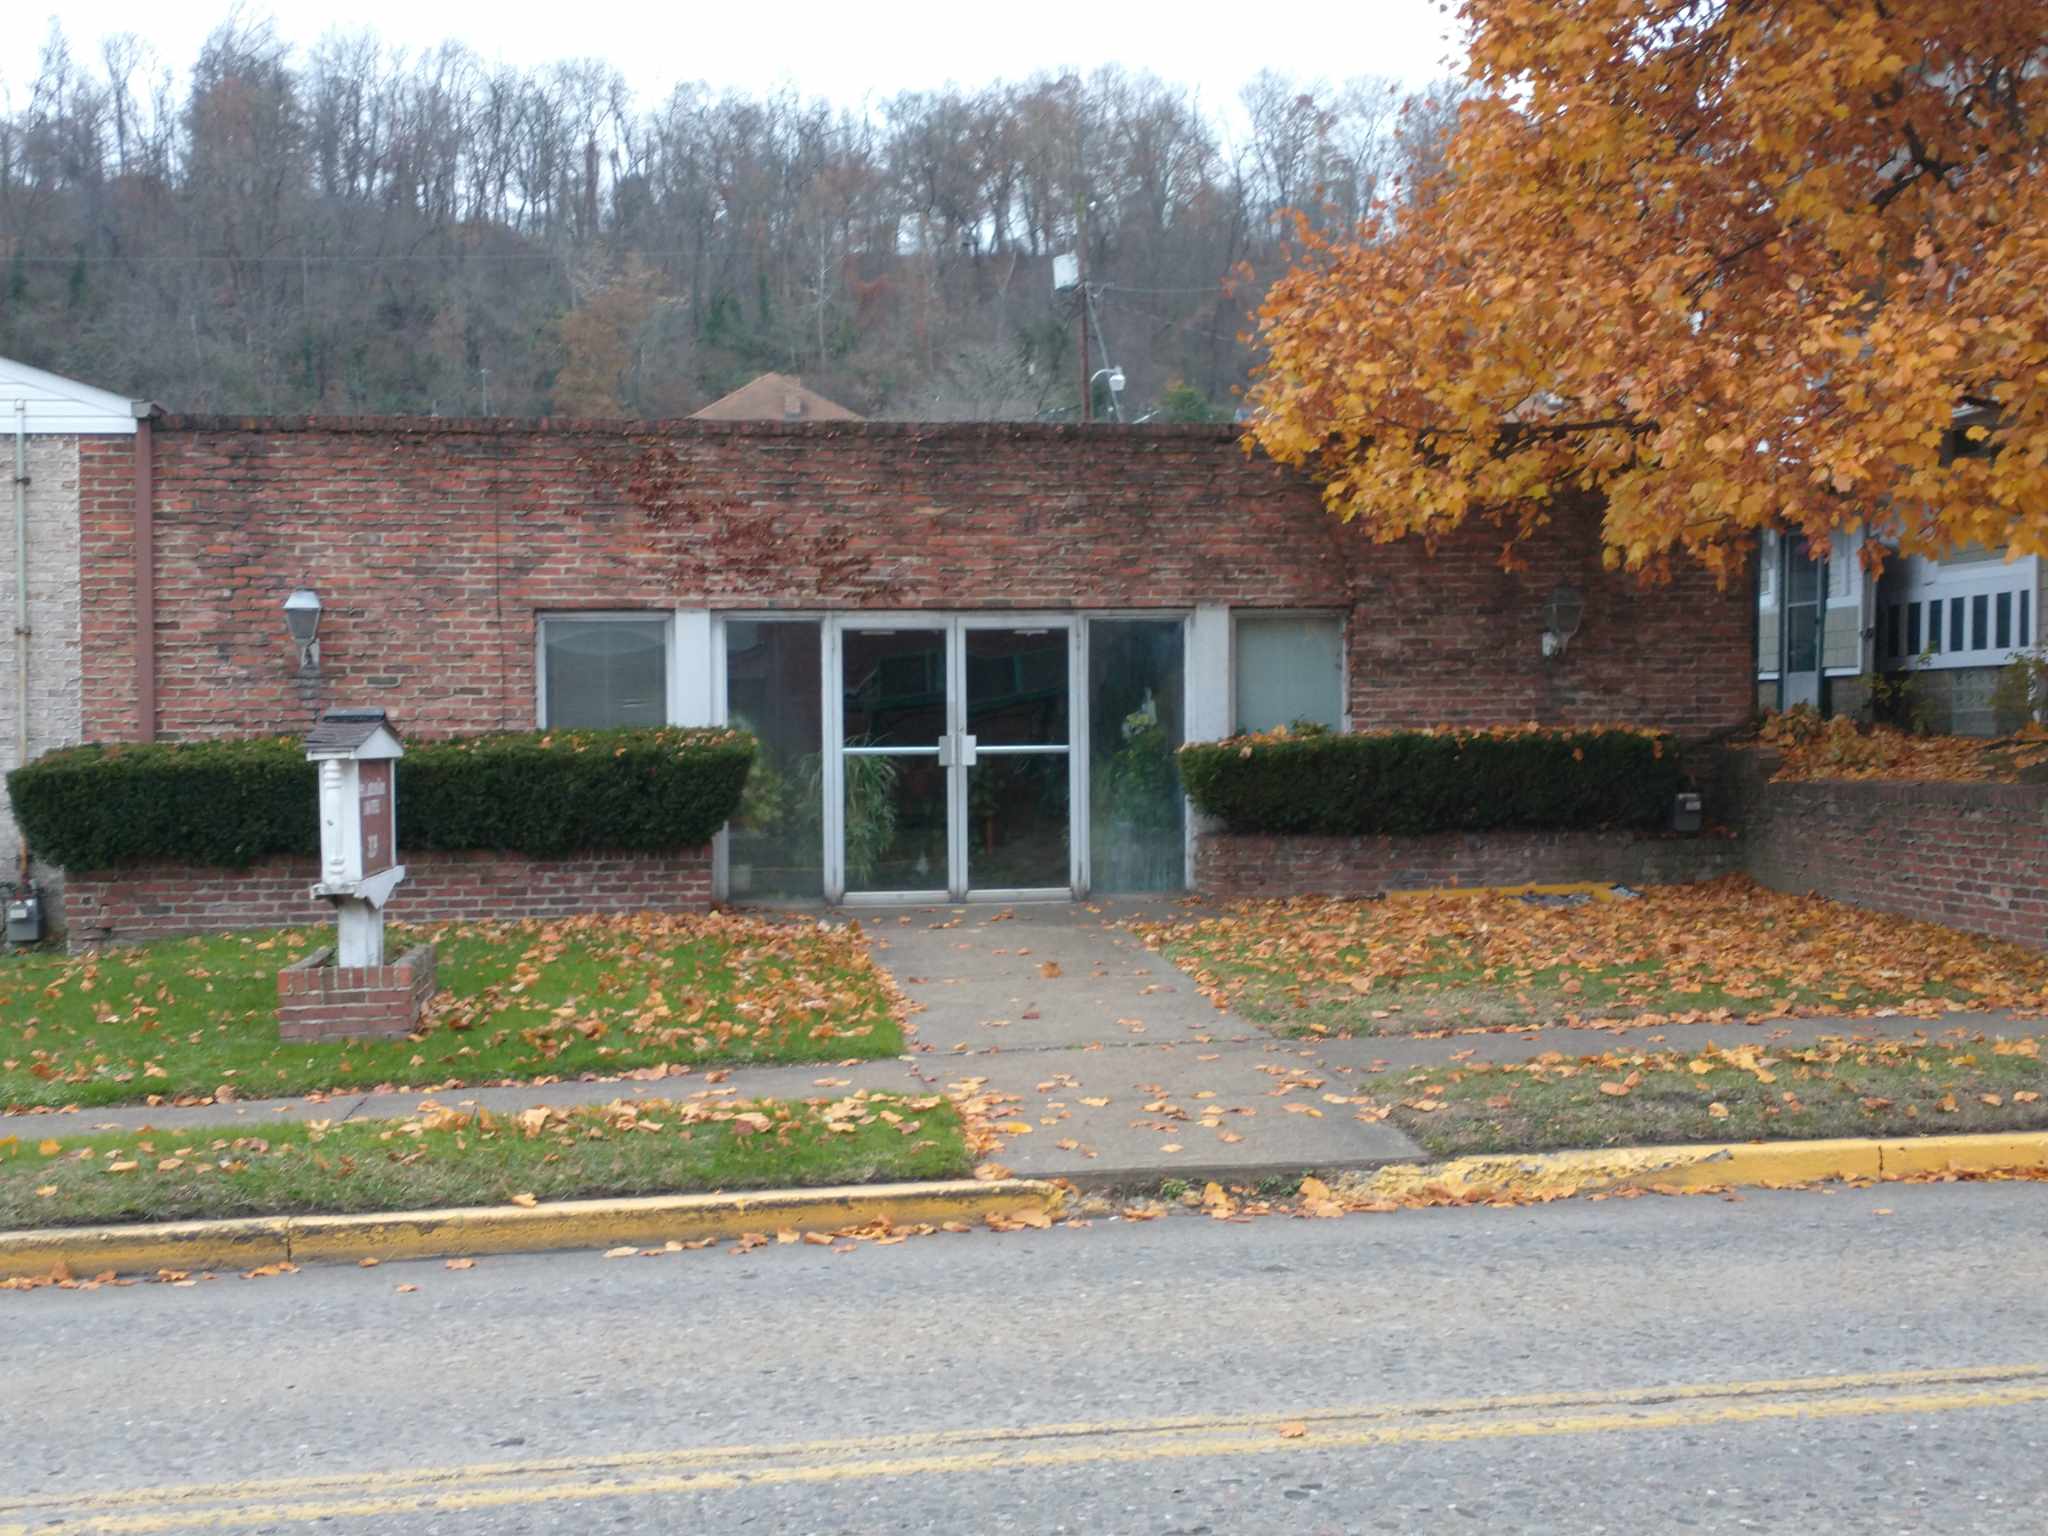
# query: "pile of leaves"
1838, 748
1741, 1092
185, 1021
1447, 779
1711, 952
443, 1156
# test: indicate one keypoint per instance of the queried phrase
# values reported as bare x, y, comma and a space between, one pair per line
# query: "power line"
445, 258
1215, 288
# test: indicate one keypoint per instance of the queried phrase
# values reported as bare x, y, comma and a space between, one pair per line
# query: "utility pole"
1081, 270
1081, 249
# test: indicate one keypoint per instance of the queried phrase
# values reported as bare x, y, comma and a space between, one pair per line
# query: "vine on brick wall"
728, 543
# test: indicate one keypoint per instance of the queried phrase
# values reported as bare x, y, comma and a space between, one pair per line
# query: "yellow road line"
426, 1477
228, 1506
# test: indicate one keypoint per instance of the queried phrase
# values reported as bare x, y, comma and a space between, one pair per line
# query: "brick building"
968, 649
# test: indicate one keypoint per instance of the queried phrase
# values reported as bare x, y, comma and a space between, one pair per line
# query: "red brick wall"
1972, 856
318, 1000
106, 587
434, 544
1238, 865
153, 902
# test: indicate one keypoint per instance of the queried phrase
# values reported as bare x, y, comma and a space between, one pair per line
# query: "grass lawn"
1725, 949
447, 1157
1746, 1093
185, 1018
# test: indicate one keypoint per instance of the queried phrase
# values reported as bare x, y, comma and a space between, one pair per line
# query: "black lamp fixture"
1563, 611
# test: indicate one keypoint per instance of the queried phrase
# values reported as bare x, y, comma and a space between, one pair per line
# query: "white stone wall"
53, 613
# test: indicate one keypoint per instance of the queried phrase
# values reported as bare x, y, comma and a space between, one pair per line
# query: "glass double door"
955, 765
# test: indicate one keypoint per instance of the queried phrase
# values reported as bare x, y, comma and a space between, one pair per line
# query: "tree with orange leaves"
1730, 263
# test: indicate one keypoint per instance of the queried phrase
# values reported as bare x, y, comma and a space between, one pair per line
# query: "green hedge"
233, 802
1410, 782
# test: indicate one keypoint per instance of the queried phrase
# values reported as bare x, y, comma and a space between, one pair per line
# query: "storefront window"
1289, 668
1136, 838
600, 671
773, 689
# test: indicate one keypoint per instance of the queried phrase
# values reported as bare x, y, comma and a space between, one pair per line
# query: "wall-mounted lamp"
302, 618
1563, 611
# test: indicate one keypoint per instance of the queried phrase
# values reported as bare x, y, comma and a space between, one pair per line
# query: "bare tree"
352, 228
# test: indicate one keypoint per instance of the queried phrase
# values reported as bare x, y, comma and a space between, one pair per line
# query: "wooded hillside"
349, 229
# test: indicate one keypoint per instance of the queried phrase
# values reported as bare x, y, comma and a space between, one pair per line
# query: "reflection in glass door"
896, 720
955, 771
1018, 760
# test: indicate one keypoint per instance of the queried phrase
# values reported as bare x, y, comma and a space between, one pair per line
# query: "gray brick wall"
53, 613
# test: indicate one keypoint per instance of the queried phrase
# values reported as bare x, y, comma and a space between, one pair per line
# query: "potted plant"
1137, 806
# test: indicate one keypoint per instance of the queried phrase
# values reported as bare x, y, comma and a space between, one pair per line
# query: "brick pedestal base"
318, 1000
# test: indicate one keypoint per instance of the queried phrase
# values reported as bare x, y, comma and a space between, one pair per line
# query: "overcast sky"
838, 50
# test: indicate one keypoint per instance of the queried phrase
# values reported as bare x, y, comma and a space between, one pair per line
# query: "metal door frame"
956, 752
1791, 547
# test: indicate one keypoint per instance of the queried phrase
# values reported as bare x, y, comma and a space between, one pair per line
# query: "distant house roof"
774, 397
61, 406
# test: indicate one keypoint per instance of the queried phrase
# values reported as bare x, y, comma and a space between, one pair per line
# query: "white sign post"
358, 756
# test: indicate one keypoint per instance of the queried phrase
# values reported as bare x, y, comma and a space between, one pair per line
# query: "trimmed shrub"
1411, 782
203, 802
557, 792
233, 802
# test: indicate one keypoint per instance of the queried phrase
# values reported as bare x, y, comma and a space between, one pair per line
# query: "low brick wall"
1239, 865
1971, 856
155, 901
318, 1000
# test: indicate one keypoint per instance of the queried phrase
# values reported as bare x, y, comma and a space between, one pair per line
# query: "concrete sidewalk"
1117, 1068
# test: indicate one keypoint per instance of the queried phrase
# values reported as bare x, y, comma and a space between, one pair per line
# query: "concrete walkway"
1122, 1071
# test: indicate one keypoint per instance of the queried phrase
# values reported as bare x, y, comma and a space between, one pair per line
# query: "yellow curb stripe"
187, 1245
1712, 1165
999, 1451
641, 1221
605, 1465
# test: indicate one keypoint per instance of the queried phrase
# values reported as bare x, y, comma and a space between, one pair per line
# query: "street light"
1116, 388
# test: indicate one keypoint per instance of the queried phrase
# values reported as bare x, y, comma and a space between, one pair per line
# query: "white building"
44, 417
1826, 629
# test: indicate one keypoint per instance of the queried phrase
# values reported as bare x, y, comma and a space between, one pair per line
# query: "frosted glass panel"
605, 672
1289, 668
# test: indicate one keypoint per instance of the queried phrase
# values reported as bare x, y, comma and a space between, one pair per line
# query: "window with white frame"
1770, 558
1288, 667
604, 669
1961, 612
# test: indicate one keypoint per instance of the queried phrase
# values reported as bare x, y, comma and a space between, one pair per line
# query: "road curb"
465, 1231
1711, 1165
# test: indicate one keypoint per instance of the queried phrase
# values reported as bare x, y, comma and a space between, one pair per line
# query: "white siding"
53, 618
60, 406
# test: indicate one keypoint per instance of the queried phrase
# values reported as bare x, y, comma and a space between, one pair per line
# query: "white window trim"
1343, 621
666, 617
1770, 563
1926, 581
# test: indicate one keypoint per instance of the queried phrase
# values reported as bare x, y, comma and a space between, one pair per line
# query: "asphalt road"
1787, 1362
